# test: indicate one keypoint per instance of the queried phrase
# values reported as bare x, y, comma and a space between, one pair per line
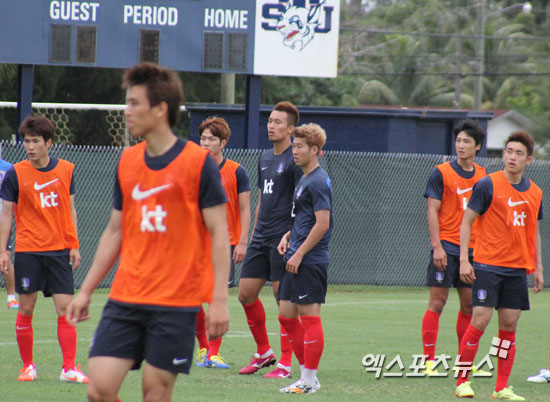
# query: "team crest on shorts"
25, 283
439, 277
482, 295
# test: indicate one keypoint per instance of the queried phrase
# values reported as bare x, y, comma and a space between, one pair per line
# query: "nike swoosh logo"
264, 167
460, 191
308, 342
515, 203
70, 378
21, 328
429, 344
301, 296
177, 362
471, 344
39, 187
139, 195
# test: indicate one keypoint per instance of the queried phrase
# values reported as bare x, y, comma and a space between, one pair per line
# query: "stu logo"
48, 201
153, 221
297, 21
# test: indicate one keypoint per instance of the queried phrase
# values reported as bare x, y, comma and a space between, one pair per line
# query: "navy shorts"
163, 337
448, 278
500, 291
52, 274
263, 261
308, 286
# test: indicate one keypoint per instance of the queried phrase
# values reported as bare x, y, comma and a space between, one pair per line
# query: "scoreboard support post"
252, 111
25, 83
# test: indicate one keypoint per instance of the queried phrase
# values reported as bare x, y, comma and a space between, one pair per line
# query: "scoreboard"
282, 37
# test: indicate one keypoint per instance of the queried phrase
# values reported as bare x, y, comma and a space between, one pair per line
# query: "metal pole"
25, 83
458, 77
227, 88
479, 54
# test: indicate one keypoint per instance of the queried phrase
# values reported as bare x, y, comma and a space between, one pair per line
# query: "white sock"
269, 352
309, 375
302, 368
11, 297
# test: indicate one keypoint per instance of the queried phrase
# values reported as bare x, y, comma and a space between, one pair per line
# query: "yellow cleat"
465, 390
202, 356
429, 370
480, 373
507, 394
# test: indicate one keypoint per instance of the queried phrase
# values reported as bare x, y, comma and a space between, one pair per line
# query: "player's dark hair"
292, 113
162, 84
522, 137
471, 128
313, 133
37, 126
217, 126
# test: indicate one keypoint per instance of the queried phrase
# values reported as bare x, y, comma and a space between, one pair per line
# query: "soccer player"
214, 135
169, 228
40, 191
303, 284
448, 190
9, 279
277, 176
507, 207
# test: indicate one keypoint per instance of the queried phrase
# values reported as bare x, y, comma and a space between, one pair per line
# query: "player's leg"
202, 338
254, 274
106, 376
158, 384
9, 280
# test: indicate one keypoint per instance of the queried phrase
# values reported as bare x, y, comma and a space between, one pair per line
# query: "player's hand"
538, 280
4, 262
440, 259
74, 258
239, 253
217, 320
293, 263
78, 309
283, 245
467, 274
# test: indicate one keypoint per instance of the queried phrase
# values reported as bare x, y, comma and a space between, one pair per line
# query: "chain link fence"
380, 232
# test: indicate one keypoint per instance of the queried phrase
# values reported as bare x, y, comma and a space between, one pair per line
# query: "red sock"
314, 341
462, 322
430, 327
255, 316
25, 337
295, 332
286, 348
504, 368
214, 346
200, 330
468, 350
66, 335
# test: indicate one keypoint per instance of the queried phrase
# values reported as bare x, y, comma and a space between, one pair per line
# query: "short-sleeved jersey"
453, 186
4, 167
277, 178
507, 224
42, 205
235, 181
313, 193
166, 251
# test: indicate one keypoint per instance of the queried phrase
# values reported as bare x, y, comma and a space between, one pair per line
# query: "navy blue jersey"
277, 177
211, 192
10, 184
434, 188
313, 193
4, 167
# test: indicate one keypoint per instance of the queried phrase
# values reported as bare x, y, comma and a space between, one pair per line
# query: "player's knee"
95, 394
245, 298
437, 305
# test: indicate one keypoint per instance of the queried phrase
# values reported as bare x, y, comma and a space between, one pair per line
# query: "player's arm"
467, 274
217, 318
284, 243
6, 217
257, 211
321, 226
440, 256
538, 279
244, 207
106, 254
74, 254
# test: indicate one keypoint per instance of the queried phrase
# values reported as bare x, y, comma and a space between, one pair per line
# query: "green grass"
357, 320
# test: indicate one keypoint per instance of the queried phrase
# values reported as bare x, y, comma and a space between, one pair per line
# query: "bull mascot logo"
298, 25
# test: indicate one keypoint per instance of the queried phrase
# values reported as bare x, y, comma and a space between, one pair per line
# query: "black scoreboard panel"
186, 35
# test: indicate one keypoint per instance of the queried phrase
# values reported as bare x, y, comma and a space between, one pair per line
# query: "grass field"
356, 320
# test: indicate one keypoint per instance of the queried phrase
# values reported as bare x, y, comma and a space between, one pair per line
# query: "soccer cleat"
13, 304
430, 370
202, 357
74, 375
280, 372
300, 387
465, 390
480, 373
28, 373
542, 377
508, 394
217, 361
257, 363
